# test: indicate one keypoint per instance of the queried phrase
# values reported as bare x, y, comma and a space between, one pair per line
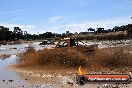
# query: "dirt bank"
63, 77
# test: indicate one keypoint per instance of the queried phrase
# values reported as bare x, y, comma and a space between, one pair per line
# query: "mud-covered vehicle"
76, 44
47, 42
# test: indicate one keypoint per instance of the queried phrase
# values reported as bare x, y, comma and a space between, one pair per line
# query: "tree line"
17, 33
115, 29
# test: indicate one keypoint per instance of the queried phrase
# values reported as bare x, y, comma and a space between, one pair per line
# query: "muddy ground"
65, 78
12, 76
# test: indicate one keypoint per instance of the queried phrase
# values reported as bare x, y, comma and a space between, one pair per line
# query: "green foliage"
5, 35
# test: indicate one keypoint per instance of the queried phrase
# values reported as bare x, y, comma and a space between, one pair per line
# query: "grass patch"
104, 36
113, 57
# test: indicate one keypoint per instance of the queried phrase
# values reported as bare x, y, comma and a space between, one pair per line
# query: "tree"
5, 34
91, 29
116, 28
18, 33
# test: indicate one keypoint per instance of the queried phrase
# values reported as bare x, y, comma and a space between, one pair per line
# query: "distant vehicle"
75, 43
67, 42
47, 42
43, 43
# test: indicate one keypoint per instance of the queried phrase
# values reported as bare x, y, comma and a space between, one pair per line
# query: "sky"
59, 16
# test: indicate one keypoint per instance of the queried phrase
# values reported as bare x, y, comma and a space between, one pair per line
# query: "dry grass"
102, 36
113, 57
103, 58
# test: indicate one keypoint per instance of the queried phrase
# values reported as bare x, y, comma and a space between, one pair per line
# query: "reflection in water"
10, 49
18, 48
8, 76
5, 72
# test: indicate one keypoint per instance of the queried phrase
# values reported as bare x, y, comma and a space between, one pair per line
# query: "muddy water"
9, 78
19, 78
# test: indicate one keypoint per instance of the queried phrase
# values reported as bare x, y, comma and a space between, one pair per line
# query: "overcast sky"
38, 16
